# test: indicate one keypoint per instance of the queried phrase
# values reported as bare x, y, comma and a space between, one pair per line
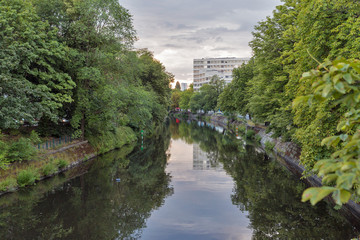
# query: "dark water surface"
189, 182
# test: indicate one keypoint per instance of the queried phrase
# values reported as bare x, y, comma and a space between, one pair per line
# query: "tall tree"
177, 86
33, 83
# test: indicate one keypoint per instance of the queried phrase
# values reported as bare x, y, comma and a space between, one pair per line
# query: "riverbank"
49, 163
287, 153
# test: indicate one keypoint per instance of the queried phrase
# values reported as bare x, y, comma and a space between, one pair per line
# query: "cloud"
177, 31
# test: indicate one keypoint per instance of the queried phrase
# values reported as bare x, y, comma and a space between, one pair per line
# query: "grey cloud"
178, 31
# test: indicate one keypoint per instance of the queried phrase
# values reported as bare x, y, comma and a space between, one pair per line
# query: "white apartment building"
184, 86
205, 68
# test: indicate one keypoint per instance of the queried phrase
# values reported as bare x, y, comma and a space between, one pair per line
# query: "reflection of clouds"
200, 207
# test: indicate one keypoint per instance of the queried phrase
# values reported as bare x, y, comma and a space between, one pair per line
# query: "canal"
187, 182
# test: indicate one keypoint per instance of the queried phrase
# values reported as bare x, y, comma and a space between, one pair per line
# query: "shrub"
21, 150
34, 137
112, 139
257, 138
3, 152
242, 129
8, 184
269, 146
49, 169
250, 134
61, 163
27, 177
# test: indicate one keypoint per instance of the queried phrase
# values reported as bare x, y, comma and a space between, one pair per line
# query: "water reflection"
159, 193
203, 161
264, 189
111, 199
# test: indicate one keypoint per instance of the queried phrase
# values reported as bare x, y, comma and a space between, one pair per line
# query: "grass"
27, 177
61, 163
8, 184
49, 169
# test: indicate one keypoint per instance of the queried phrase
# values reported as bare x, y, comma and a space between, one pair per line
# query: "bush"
269, 146
34, 137
250, 134
112, 139
3, 153
8, 184
61, 163
21, 150
27, 177
242, 129
49, 169
257, 138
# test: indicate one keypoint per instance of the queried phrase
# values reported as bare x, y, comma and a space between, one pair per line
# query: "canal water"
189, 181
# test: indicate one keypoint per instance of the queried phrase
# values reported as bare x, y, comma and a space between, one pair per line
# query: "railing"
50, 144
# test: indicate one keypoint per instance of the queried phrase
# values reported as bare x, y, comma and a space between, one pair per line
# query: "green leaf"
330, 178
331, 141
327, 90
315, 194
345, 181
348, 78
306, 74
341, 196
339, 86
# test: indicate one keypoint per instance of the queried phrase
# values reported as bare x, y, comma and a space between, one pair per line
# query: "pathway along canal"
189, 182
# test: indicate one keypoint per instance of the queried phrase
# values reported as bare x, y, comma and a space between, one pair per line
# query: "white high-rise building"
184, 86
205, 68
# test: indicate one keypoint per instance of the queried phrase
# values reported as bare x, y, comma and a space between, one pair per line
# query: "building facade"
205, 68
184, 86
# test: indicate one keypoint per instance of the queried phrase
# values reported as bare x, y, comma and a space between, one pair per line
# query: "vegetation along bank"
303, 83
68, 70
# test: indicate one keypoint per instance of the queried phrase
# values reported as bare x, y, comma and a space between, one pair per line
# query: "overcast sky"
177, 31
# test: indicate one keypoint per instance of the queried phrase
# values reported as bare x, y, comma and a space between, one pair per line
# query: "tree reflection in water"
265, 189
112, 200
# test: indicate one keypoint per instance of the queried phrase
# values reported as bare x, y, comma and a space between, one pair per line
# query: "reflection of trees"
94, 205
269, 193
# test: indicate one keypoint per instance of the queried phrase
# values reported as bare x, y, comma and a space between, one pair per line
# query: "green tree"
337, 81
177, 86
33, 82
185, 97
235, 97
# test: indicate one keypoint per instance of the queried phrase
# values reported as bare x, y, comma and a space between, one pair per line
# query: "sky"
178, 31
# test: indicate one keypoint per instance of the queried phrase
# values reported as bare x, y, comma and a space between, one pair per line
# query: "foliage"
175, 99
249, 134
34, 137
27, 177
185, 97
61, 163
8, 184
4, 161
338, 81
73, 59
49, 169
257, 138
206, 99
235, 96
21, 150
33, 83
177, 86
112, 140
269, 146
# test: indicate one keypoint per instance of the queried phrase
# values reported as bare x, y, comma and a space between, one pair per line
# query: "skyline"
179, 31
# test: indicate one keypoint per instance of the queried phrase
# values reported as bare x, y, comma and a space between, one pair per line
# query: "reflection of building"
205, 68
201, 160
